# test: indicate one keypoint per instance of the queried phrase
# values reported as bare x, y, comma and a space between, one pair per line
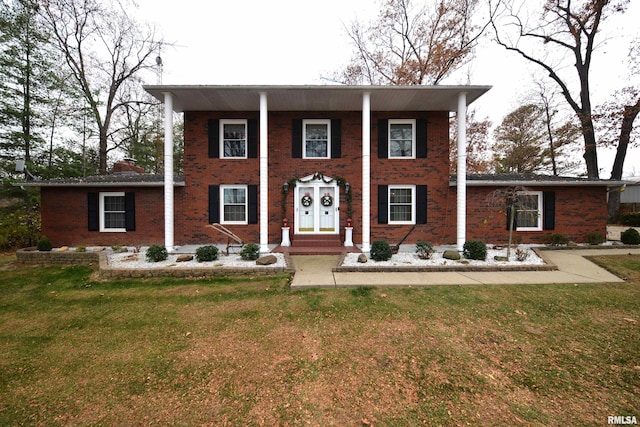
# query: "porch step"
316, 240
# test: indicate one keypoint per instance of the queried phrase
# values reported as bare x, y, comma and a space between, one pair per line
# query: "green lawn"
77, 351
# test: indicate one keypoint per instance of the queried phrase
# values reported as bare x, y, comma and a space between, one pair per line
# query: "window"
529, 211
233, 134
316, 137
402, 140
112, 212
234, 204
401, 204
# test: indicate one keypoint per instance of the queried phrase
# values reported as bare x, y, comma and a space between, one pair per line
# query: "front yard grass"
77, 351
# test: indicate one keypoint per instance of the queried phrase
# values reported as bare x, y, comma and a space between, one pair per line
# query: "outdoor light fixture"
347, 186
285, 187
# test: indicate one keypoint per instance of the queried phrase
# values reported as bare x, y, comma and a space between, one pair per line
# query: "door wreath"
326, 200
306, 200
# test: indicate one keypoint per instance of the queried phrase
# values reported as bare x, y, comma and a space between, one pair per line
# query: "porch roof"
316, 98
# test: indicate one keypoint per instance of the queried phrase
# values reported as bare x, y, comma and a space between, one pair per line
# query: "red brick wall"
579, 210
201, 171
65, 217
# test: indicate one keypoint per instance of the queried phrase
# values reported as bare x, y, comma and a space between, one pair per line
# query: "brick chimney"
127, 166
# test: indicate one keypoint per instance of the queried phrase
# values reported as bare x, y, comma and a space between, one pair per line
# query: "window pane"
114, 220
318, 131
234, 213
400, 195
114, 203
234, 140
234, 195
528, 210
316, 149
527, 218
400, 140
400, 213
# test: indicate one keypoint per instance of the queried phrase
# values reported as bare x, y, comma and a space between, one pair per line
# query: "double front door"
316, 207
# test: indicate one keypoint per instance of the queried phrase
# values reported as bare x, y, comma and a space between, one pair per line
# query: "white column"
168, 171
366, 172
264, 175
461, 171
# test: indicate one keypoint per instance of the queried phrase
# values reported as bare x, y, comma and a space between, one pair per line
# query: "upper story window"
112, 212
529, 211
316, 137
234, 204
233, 134
402, 139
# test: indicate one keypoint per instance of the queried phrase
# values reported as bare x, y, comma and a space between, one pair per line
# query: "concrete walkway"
316, 271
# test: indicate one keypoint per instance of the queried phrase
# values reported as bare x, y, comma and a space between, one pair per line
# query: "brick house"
338, 163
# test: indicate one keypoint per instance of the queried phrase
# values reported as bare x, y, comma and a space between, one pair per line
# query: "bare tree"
413, 45
478, 159
512, 199
105, 50
565, 35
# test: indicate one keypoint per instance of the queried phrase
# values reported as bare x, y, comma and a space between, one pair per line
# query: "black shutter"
421, 204
296, 138
336, 138
383, 204
252, 198
214, 204
549, 210
130, 211
92, 204
214, 138
421, 139
383, 134
252, 139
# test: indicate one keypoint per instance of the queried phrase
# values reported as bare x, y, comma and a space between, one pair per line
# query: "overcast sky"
298, 42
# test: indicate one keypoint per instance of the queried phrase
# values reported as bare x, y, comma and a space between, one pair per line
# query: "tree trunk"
590, 153
628, 117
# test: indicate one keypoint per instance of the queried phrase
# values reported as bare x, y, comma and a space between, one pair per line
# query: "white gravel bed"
138, 261
411, 259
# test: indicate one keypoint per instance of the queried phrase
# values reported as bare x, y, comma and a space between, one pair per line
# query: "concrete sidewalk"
316, 271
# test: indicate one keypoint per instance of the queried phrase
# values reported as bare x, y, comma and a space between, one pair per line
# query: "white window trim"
246, 136
246, 204
540, 211
413, 203
306, 122
412, 122
103, 229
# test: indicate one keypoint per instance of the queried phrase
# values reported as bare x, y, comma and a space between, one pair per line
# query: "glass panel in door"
306, 210
327, 209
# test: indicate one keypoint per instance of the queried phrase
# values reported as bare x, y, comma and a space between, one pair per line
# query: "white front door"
316, 206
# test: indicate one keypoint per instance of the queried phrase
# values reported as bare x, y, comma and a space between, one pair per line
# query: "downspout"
264, 175
461, 171
366, 171
168, 171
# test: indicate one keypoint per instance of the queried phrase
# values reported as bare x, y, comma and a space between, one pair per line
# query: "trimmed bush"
594, 238
206, 253
250, 252
631, 219
424, 250
381, 251
473, 249
630, 237
157, 253
44, 244
555, 239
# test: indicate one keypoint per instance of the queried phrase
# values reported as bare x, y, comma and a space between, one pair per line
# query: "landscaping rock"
63, 248
184, 258
362, 259
450, 254
501, 258
267, 260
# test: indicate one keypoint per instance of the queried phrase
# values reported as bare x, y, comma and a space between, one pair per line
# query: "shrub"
44, 244
630, 237
381, 251
631, 219
157, 253
594, 238
250, 252
555, 239
522, 254
424, 250
473, 249
206, 253
81, 249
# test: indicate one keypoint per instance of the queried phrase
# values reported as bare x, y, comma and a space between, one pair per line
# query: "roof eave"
94, 184
495, 183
